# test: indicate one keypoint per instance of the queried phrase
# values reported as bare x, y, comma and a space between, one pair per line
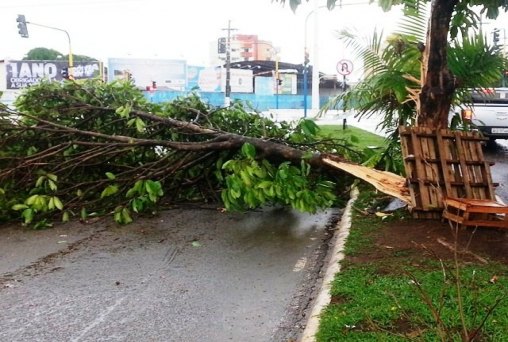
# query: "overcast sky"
183, 29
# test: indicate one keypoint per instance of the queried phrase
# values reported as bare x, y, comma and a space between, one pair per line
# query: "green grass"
356, 136
383, 299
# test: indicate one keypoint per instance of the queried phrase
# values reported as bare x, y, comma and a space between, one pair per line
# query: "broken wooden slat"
476, 212
386, 182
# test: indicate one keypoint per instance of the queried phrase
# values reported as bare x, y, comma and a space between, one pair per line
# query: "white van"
488, 112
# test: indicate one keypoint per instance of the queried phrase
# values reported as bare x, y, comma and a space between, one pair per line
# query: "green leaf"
83, 214
65, 216
138, 204
264, 185
28, 215
235, 193
40, 180
139, 186
140, 125
2, 191
126, 216
52, 185
58, 204
123, 111
131, 192
109, 190
227, 165
154, 187
245, 178
118, 217
51, 203
40, 203
31, 200
309, 127
52, 176
19, 207
248, 150
110, 176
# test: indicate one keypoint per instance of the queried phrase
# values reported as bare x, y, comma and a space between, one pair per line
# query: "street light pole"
71, 60
315, 69
315, 88
305, 73
277, 81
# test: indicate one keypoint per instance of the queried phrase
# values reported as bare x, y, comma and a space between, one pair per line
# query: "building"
244, 47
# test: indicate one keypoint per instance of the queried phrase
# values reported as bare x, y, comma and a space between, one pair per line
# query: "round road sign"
345, 67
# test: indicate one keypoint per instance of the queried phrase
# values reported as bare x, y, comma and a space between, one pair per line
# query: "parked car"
487, 112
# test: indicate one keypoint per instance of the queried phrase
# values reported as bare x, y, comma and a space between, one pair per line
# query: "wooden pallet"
443, 164
476, 213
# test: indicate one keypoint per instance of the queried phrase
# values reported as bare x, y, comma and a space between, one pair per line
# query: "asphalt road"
499, 155
187, 275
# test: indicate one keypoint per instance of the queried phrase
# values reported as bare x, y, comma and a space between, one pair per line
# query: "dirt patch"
433, 238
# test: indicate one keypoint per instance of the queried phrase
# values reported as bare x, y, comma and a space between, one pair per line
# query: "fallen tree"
94, 148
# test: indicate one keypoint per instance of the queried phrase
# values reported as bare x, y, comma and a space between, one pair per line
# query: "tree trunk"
439, 83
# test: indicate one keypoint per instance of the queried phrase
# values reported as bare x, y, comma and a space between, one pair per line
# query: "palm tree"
392, 80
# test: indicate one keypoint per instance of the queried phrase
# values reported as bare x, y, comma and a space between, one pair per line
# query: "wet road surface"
499, 155
188, 275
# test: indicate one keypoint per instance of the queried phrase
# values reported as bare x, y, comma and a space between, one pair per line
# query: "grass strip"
358, 137
404, 296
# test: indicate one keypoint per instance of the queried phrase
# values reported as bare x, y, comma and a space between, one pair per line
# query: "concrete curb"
332, 267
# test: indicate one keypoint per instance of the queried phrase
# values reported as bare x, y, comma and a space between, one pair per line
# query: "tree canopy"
93, 148
447, 17
45, 54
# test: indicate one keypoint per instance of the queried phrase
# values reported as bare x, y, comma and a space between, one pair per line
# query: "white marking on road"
300, 264
101, 318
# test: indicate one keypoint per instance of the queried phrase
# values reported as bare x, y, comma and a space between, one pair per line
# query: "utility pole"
227, 98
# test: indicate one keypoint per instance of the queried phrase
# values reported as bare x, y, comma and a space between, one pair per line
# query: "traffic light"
306, 59
22, 29
279, 81
221, 45
495, 34
65, 73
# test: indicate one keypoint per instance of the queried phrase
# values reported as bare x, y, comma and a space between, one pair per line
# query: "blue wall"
258, 102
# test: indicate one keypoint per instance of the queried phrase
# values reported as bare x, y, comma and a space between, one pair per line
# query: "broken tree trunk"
438, 83
386, 182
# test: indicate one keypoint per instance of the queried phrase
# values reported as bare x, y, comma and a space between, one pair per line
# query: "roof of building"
266, 67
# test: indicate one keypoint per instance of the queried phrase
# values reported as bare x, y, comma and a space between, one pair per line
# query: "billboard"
288, 84
210, 79
241, 81
268, 86
213, 80
168, 74
21, 74
193, 76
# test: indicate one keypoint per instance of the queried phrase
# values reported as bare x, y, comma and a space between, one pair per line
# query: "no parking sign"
345, 67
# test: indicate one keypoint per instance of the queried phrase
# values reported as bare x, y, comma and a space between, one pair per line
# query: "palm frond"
367, 49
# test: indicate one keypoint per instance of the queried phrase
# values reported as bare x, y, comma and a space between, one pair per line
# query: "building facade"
244, 47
